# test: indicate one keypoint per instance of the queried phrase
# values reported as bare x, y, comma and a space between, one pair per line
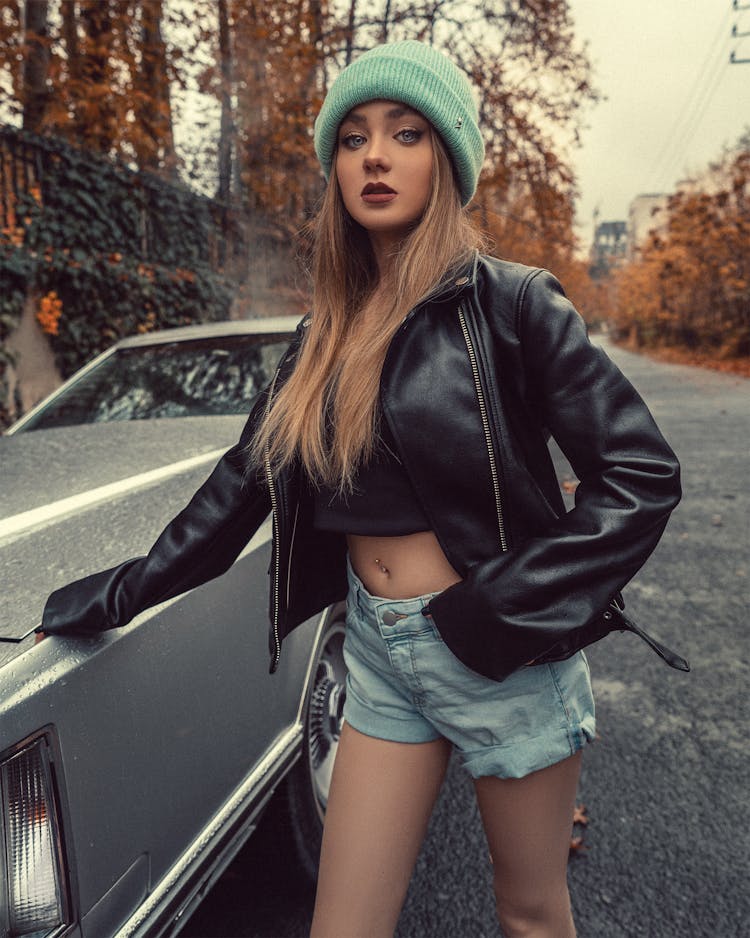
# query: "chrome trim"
241, 800
322, 619
282, 326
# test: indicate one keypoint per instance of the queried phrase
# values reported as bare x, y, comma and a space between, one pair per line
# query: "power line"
736, 34
691, 128
684, 125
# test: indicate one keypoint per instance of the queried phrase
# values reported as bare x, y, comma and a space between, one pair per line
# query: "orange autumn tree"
108, 75
274, 61
97, 73
113, 75
267, 73
690, 286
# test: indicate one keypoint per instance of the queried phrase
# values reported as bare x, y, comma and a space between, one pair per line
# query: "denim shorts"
405, 685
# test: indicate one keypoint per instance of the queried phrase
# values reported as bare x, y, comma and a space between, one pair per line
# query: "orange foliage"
150, 323
681, 356
49, 313
103, 82
113, 68
14, 235
534, 225
690, 287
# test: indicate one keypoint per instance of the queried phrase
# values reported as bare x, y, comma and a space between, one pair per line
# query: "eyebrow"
393, 114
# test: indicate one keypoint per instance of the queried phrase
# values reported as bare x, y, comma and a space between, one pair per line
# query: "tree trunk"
155, 113
254, 52
226, 130
73, 56
99, 133
350, 31
36, 65
385, 22
315, 87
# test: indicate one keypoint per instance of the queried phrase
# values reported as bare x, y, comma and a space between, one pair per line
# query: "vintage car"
134, 764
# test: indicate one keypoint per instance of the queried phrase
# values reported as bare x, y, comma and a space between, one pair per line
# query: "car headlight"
32, 900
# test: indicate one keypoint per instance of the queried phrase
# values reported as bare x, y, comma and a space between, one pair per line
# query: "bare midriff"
401, 567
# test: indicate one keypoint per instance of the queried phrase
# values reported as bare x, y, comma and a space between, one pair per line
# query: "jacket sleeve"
200, 543
524, 601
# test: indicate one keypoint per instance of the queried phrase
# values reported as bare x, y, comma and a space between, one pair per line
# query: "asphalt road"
667, 850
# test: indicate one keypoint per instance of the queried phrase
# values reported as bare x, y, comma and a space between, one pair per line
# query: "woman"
402, 449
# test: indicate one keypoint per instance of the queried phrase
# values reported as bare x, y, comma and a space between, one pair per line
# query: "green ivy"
124, 251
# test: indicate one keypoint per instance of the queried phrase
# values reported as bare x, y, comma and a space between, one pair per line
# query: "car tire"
308, 782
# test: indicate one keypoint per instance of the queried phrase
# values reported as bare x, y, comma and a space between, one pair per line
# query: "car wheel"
310, 778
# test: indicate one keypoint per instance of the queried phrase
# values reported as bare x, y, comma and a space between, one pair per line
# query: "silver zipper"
276, 535
487, 431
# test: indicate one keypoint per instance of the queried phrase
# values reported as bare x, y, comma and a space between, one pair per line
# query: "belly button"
381, 566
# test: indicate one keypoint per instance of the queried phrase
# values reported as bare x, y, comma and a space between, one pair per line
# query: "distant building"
609, 249
646, 213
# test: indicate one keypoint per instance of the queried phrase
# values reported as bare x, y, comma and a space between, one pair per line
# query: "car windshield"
174, 379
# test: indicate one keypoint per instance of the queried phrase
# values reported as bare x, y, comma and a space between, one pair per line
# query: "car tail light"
33, 884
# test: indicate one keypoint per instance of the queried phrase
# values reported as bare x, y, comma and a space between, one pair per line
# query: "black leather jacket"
474, 381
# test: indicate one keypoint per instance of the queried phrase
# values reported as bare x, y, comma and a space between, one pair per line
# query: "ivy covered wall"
107, 251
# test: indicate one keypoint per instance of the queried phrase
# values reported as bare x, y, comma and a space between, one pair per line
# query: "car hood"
74, 500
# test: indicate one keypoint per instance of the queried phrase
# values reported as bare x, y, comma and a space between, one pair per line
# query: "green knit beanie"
412, 73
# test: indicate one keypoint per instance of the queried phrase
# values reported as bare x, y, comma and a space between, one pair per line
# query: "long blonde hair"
326, 415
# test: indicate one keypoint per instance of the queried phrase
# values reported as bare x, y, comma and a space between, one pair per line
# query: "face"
384, 168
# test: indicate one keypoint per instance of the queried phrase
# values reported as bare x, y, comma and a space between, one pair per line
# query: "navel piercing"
381, 566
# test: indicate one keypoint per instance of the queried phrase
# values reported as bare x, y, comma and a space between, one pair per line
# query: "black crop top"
383, 503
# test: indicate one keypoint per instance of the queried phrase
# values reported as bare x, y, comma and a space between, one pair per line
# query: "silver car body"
165, 737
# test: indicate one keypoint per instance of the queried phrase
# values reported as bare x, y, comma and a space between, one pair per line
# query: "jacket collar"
462, 282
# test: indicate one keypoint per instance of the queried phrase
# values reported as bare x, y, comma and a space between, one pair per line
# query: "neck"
384, 249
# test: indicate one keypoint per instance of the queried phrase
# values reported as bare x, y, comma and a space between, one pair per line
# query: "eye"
352, 141
409, 135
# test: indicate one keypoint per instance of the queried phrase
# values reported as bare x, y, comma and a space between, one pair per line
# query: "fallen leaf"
569, 486
579, 814
577, 846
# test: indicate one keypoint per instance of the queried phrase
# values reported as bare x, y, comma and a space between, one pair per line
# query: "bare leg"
528, 822
380, 801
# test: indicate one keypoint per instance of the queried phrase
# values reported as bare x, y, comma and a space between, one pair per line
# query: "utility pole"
736, 34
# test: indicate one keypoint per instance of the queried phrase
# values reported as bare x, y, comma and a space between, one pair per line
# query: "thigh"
381, 797
528, 823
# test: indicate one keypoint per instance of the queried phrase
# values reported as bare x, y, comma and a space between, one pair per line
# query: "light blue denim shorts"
405, 685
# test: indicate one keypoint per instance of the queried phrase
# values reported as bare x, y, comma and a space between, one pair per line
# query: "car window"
175, 379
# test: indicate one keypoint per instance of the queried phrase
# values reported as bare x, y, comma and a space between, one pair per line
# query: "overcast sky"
673, 99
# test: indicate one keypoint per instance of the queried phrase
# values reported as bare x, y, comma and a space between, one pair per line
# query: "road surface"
667, 850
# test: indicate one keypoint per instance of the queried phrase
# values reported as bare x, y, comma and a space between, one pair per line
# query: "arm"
526, 599
200, 543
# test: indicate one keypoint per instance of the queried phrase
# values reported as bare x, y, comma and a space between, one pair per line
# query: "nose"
376, 157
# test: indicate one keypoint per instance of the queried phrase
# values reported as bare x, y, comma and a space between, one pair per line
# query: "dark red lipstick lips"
377, 193
377, 187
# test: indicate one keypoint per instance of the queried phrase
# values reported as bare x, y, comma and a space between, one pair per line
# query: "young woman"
402, 448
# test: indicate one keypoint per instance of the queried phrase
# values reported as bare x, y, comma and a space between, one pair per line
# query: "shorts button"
391, 618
